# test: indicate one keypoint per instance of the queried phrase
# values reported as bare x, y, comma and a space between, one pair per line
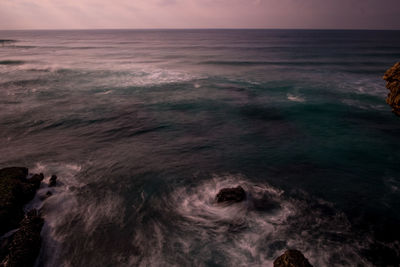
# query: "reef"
292, 258
392, 77
20, 239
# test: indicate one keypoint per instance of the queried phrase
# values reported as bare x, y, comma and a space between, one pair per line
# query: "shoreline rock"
16, 190
26, 242
392, 77
19, 247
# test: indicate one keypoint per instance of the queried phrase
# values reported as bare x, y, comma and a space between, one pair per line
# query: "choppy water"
144, 127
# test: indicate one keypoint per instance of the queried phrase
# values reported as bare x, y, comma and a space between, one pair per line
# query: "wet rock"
5, 242
53, 180
36, 179
15, 191
235, 194
25, 245
392, 77
292, 258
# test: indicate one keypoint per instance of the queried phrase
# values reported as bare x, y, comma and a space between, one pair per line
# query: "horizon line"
198, 28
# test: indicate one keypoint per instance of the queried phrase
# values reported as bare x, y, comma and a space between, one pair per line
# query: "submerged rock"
235, 194
265, 203
392, 77
292, 258
26, 242
15, 191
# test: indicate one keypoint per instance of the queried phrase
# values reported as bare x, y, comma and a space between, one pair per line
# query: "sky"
143, 14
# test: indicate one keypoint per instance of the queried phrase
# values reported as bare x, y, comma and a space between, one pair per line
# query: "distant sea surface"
143, 127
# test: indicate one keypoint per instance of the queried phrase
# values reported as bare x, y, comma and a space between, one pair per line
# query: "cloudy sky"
94, 14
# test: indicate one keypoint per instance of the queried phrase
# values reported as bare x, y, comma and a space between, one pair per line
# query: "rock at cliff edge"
392, 77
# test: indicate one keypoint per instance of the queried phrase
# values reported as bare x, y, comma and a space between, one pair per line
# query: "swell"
11, 62
294, 63
7, 41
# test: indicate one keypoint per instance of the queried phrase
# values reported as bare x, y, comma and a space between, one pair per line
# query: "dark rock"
235, 194
15, 191
36, 179
14, 173
392, 77
5, 242
292, 258
53, 180
26, 242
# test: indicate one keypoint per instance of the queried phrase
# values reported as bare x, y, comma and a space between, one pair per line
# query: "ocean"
143, 127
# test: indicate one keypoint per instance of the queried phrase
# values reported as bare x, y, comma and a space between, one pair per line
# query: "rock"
53, 180
235, 194
392, 77
292, 258
36, 179
15, 191
5, 242
25, 245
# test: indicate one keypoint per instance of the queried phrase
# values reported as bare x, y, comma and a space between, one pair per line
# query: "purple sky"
93, 14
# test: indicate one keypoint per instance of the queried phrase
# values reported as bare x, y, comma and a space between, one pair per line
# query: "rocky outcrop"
392, 77
26, 242
15, 191
21, 246
235, 194
292, 258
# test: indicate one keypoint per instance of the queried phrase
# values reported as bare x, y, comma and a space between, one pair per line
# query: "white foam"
105, 92
58, 208
216, 222
295, 98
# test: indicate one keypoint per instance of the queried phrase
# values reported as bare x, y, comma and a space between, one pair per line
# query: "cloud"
31, 14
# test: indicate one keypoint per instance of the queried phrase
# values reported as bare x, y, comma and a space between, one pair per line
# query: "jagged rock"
26, 242
392, 77
292, 258
235, 194
15, 191
53, 180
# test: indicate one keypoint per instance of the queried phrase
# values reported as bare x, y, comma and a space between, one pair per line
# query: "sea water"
143, 127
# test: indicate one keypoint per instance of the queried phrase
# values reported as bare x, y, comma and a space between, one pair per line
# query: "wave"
294, 63
7, 41
11, 62
295, 98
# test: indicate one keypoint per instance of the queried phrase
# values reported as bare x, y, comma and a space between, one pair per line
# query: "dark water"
144, 127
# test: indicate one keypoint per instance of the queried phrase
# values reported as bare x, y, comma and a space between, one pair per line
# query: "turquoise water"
144, 127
